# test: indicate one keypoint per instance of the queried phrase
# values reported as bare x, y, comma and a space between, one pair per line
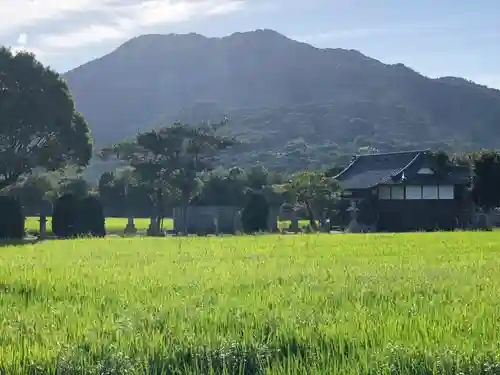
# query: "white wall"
414, 192
430, 192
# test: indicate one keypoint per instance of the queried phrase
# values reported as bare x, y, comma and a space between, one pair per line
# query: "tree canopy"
317, 192
172, 159
39, 125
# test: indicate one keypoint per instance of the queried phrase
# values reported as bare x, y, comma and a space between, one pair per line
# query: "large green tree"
172, 159
317, 192
39, 126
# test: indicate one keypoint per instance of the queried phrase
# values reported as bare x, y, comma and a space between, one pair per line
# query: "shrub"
11, 219
64, 216
78, 217
255, 214
91, 220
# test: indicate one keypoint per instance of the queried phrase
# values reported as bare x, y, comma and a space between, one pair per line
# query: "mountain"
295, 105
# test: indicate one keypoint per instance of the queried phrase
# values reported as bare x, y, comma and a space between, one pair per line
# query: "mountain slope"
295, 104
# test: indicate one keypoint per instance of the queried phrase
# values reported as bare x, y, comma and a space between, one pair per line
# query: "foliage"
223, 188
171, 160
33, 190
91, 220
74, 185
11, 219
78, 216
318, 193
65, 215
39, 126
405, 304
255, 214
486, 191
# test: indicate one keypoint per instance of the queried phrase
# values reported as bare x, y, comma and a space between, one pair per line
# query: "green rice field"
272, 304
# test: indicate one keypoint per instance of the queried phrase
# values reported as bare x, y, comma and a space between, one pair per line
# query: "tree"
257, 177
171, 160
486, 190
315, 191
33, 190
223, 188
443, 161
76, 186
39, 126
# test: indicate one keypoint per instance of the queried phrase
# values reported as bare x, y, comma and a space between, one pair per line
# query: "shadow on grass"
233, 358
236, 358
19, 243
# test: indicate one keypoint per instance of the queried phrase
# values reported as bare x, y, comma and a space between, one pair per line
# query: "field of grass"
113, 225
117, 225
308, 304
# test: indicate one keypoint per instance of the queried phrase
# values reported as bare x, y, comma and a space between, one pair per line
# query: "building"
216, 219
406, 191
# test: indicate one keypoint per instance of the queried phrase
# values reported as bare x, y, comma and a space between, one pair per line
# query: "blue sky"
434, 37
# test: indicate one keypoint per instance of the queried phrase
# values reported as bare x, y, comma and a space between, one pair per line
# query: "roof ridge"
353, 161
393, 153
409, 164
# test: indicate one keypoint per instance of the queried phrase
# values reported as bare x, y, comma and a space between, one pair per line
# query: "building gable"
425, 171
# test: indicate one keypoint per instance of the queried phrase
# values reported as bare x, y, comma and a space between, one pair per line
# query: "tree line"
45, 144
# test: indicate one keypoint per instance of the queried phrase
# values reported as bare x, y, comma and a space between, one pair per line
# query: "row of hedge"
71, 217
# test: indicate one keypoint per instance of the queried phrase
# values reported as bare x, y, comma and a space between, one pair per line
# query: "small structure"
130, 228
208, 219
405, 191
353, 226
216, 220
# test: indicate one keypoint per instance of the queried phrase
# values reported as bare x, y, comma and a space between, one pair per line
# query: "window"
413, 192
446, 192
398, 192
384, 192
430, 192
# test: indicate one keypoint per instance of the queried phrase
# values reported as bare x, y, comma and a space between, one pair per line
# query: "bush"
91, 220
11, 219
78, 217
64, 216
255, 215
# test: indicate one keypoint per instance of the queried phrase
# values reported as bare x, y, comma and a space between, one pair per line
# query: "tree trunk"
185, 208
310, 215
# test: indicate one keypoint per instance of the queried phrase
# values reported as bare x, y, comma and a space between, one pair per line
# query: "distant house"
406, 191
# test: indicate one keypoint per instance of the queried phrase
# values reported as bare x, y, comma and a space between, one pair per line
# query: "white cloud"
117, 20
227, 7
87, 23
15, 14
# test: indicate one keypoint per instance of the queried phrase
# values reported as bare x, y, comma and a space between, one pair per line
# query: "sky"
434, 37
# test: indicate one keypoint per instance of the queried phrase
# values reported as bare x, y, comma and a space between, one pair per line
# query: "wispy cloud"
88, 22
26, 13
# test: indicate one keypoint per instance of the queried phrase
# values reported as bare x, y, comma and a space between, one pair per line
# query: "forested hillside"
295, 106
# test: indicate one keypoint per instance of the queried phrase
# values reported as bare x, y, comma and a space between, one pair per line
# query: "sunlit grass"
113, 224
117, 225
307, 304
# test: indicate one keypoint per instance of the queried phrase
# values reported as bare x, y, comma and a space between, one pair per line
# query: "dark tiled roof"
367, 171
